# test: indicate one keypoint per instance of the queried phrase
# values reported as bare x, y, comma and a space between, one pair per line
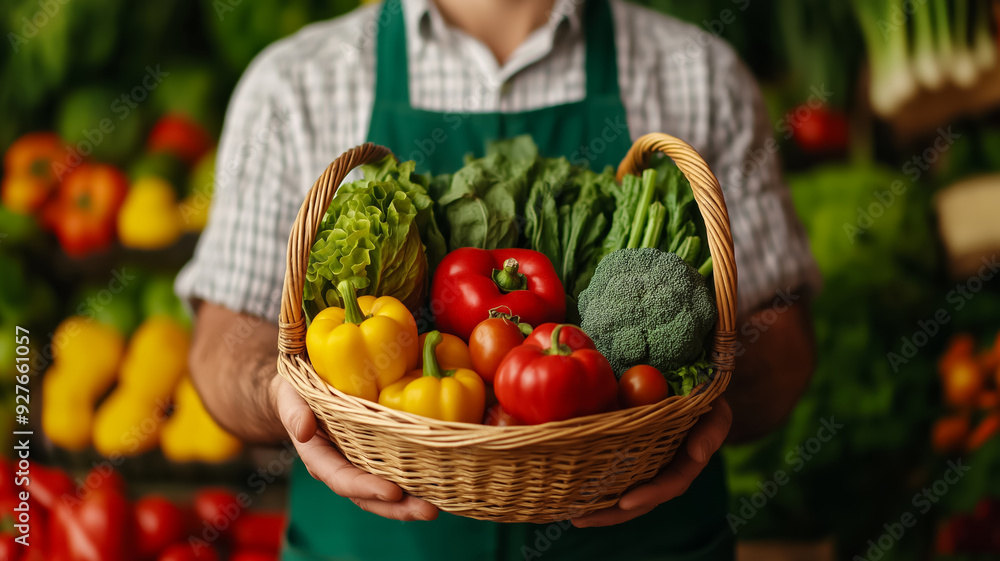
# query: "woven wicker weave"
537, 473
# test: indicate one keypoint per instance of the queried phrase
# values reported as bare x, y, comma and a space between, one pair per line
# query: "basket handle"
292, 323
708, 195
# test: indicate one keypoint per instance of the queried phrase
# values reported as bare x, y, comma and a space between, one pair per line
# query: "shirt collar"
424, 21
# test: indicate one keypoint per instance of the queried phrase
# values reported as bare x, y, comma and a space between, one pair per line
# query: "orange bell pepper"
84, 212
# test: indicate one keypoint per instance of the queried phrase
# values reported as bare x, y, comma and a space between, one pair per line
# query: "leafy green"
686, 378
483, 200
380, 234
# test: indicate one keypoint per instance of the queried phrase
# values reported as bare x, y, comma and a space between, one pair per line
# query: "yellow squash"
365, 346
447, 395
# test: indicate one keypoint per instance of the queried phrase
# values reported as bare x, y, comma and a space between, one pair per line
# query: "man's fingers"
672, 481
410, 508
609, 516
705, 438
326, 464
294, 412
710, 432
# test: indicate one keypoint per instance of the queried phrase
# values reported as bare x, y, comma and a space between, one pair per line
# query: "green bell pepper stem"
508, 279
431, 365
556, 348
352, 312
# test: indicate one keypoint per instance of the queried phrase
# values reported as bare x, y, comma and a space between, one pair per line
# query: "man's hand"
326, 464
705, 439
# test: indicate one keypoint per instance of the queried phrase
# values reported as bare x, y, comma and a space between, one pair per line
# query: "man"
433, 81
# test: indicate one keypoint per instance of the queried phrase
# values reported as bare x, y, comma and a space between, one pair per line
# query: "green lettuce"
380, 234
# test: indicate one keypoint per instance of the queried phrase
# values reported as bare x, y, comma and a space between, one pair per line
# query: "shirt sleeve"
239, 261
772, 250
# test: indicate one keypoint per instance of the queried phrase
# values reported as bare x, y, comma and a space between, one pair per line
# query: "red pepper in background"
49, 486
29, 177
178, 135
470, 282
538, 384
100, 527
84, 212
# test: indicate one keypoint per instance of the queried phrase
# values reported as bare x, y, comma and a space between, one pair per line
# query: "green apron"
325, 526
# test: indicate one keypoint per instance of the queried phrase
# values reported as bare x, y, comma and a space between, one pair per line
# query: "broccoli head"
646, 306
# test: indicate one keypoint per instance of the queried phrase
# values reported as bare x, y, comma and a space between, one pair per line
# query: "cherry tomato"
642, 385
186, 552
819, 129
498, 417
490, 342
159, 523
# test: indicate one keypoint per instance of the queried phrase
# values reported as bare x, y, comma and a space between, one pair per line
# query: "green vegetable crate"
536, 473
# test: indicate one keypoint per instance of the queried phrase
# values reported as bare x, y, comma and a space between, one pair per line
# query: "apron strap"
601, 57
392, 81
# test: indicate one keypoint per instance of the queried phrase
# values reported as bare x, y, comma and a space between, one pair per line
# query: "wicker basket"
538, 473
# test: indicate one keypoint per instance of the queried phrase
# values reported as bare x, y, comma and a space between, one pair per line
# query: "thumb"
294, 412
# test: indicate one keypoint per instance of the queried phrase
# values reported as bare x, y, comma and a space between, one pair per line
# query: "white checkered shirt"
308, 98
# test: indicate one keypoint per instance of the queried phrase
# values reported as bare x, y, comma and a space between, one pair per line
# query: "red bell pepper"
84, 212
538, 383
100, 527
470, 282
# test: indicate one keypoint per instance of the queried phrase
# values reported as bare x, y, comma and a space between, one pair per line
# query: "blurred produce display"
885, 117
98, 516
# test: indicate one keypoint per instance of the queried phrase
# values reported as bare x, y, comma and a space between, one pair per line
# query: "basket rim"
419, 429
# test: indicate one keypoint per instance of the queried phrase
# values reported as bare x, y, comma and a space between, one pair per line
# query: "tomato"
217, 507
642, 385
186, 552
490, 342
498, 417
159, 523
258, 531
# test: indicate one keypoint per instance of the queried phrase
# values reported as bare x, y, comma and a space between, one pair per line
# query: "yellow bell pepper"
448, 395
365, 346
156, 359
86, 356
128, 424
452, 353
68, 414
149, 217
89, 352
192, 435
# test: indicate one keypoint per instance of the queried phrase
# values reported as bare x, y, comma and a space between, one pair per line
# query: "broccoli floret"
646, 306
